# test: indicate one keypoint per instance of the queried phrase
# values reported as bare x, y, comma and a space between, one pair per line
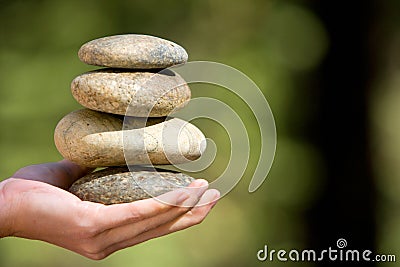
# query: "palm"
44, 211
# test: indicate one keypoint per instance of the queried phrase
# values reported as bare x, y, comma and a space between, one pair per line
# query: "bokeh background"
329, 69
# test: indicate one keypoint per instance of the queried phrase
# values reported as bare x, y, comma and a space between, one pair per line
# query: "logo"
338, 253
236, 82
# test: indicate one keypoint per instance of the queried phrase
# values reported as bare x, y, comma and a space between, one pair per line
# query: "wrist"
6, 216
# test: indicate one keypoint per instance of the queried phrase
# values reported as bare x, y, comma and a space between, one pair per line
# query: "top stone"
132, 51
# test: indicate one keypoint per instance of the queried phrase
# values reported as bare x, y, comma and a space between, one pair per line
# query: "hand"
34, 205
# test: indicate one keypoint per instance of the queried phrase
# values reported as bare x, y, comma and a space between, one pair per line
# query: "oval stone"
146, 94
118, 185
94, 139
132, 51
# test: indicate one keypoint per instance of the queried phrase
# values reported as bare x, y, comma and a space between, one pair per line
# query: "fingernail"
183, 196
209, 196
199, 183
189, 203
213, 195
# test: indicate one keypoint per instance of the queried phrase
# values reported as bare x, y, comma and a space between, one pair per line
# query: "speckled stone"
132, 51
118, 185
94, 139
147, 94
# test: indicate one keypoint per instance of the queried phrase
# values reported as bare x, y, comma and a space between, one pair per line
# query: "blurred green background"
279, 44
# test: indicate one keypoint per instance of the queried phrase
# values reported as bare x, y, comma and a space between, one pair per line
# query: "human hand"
34, 205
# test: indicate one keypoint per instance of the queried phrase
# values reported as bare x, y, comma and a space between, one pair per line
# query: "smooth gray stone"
132, 51
118, 185
132, 93
96, 139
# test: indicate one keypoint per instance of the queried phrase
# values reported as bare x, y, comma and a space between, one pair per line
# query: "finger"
61, 174
113, 216
128, 231
197, 214
72, 171
193, 217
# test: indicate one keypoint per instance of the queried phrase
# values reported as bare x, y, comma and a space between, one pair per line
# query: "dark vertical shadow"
340, 131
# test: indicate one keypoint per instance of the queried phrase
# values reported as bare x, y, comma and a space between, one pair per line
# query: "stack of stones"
124, 125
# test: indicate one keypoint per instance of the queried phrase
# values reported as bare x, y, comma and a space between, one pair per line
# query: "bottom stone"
118, 185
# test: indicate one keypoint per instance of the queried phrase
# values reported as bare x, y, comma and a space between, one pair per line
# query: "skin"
35, 205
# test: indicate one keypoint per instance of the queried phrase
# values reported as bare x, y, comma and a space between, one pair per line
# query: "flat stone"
118, 185
94, 139
147, 94
132, 51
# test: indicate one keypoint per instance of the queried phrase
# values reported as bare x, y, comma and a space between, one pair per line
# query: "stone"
147, 94
118, 185
91, 138
132, 51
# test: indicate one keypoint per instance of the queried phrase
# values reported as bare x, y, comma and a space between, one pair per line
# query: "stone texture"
147, 94
118, 185
92, 138
132, 51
